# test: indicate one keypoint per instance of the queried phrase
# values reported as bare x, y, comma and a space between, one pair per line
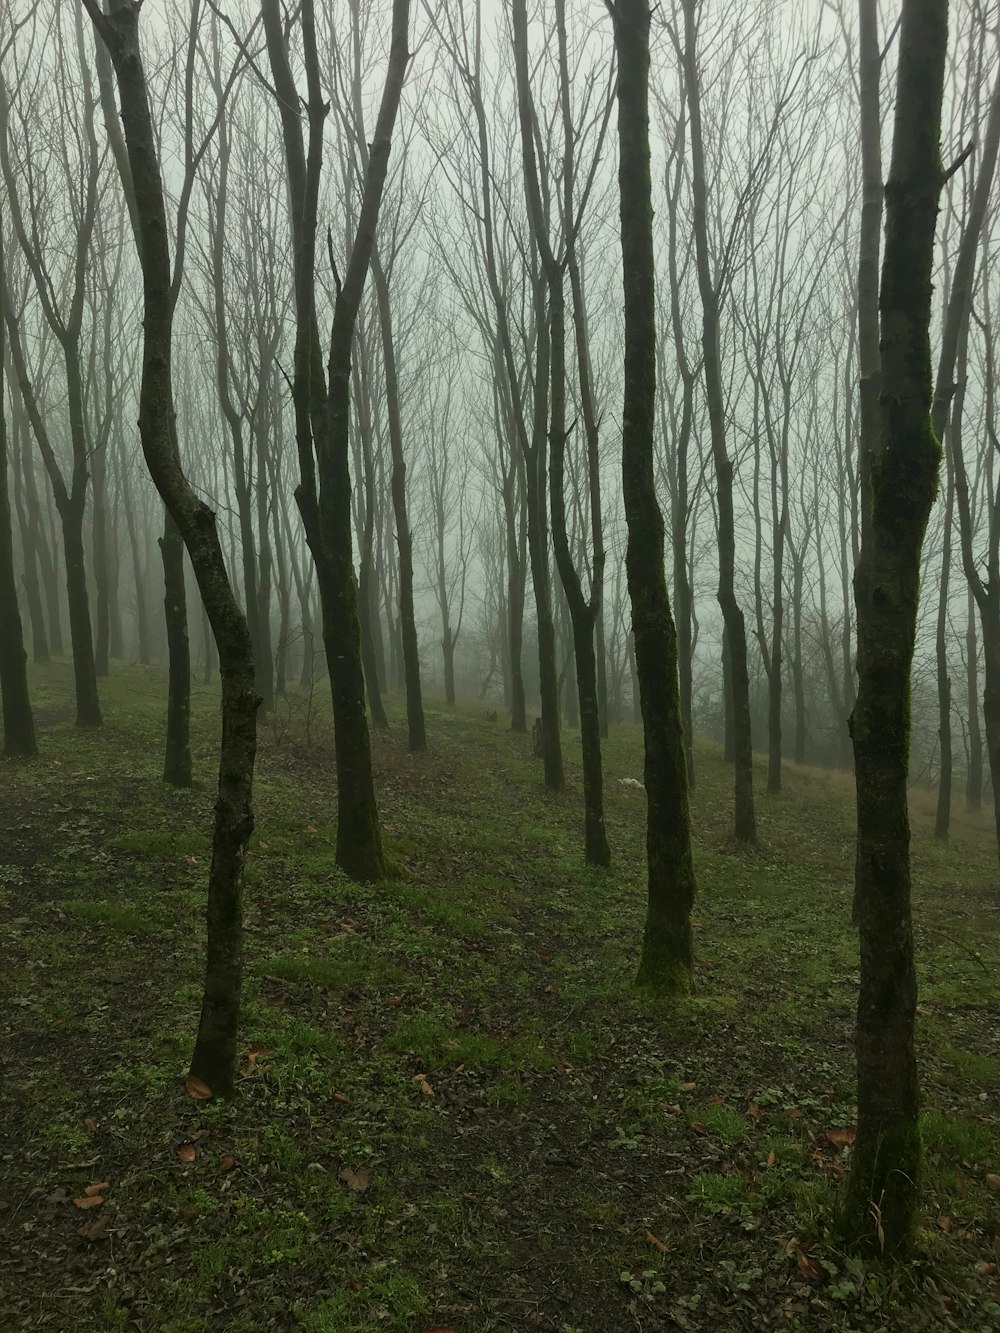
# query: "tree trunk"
177, 747
942, 818
974, 775
745, 819
880, 1208
18, 720
214, 1058
416, 730
88, 707
322, 413
667, 963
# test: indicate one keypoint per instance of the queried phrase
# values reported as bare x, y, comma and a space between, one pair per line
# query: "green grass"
459, 1109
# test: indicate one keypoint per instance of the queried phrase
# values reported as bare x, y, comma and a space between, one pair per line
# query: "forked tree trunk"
582, 611
322, 411
667, 963
214, 1058
880, 1208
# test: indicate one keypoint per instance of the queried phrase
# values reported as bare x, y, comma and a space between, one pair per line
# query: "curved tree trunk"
214, 1058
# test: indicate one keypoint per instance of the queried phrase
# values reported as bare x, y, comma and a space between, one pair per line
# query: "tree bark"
214, 1058
18, 719
880, 1208
667, 962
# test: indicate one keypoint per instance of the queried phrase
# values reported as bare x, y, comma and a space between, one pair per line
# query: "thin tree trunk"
974, 775
408, 623
745, 820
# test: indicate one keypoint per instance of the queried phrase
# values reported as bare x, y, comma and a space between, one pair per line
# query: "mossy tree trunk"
880, 1207
667, 952
214, 1057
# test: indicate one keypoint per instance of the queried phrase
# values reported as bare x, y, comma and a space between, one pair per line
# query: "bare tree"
214, 1057
322, 410
667, 962
880, 1208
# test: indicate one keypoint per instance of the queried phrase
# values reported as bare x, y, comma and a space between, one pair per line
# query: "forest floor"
455, 1111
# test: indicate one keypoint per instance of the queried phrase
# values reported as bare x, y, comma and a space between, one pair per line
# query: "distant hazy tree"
60, 270
709, 285
880, 1207
667, 963
556, 258
523, 389
384, 255
949, 400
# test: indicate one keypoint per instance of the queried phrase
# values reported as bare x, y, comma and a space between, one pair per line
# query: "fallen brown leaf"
944, 1222
754, 1111
993, 1181
840, 1138
227, 1161
186, 1152
809, 1266
771, 1158
986, 1270
90, 1125
655, 1241
94, 1230
96, 1189
688, 1087
426, 1088
253, 1052
196, 1088
340, 1096
356, 1181
89, 1201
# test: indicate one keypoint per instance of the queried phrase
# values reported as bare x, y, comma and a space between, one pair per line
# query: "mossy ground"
457, 1110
